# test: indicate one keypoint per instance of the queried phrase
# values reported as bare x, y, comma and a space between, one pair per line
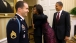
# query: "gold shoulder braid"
13, 35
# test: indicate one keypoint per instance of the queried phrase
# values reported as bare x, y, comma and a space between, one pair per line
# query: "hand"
33, 26
66, 38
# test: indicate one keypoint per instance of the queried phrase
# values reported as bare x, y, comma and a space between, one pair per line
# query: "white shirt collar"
20, 16
60, 11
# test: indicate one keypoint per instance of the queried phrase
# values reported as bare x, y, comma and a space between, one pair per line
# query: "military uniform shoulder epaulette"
14, 18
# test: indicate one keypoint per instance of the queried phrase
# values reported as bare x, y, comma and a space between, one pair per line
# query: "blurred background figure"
38, 21
5, 7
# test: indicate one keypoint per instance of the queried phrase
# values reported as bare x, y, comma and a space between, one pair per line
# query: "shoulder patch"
13, 35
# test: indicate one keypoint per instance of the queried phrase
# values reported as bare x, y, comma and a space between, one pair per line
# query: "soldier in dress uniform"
17, 30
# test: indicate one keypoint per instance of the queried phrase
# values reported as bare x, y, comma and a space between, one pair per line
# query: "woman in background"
41, 25
38, 20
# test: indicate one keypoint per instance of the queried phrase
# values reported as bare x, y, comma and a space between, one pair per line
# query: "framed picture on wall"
7, 6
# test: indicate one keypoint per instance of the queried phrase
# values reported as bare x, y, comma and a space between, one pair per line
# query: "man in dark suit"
61, 24
17, 30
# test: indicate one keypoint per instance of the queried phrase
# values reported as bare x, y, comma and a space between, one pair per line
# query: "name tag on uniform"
23, 27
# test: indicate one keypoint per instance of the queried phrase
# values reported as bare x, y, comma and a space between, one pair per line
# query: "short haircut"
60, 3
19, 4
39, 8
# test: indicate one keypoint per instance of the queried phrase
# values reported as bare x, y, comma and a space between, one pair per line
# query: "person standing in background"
17, 30
61, 23
38, 20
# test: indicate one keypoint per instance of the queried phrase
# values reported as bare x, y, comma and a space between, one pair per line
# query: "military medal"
24, 36
23, 27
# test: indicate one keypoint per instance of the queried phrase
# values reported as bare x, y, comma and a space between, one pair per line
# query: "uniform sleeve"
12, 32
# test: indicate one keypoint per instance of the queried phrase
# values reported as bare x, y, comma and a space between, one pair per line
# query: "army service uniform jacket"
17, 30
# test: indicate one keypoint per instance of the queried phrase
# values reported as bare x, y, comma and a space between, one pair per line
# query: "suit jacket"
62, 27
12, 30
38, 21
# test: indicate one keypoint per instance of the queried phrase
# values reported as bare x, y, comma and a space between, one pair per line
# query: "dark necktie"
57, 17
